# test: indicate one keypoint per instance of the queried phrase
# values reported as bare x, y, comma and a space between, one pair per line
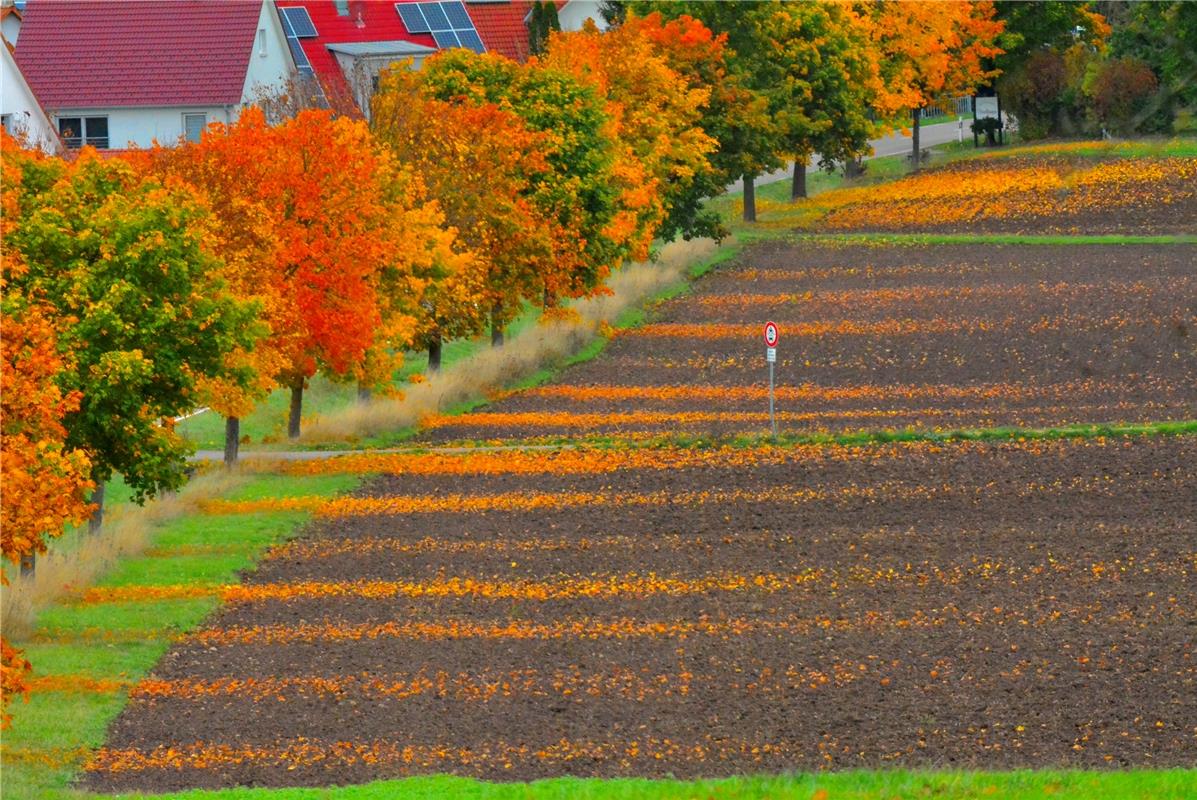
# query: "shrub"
1032, 93
1125, 97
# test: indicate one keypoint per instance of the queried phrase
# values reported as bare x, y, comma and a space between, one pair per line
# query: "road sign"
771, 334
771, 337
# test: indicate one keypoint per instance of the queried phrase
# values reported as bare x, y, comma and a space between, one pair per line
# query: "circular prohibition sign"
771, 334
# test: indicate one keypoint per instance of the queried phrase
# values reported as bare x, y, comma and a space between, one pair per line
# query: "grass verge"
538, 351
919, 239
1176, 784
267, 424
847, 439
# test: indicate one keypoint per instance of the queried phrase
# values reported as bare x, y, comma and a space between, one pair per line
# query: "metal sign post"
771, 338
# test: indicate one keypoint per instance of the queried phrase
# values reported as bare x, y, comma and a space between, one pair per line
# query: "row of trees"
1068, 71
212, 273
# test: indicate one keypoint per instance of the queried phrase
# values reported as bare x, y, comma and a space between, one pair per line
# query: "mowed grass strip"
87, 657
860, 438
1049, 240
1174, 784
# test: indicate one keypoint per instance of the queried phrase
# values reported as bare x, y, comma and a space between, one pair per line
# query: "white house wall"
270, 72
18, 103
139, 127
11, 28
573, 15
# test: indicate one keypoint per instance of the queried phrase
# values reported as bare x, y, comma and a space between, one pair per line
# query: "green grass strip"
849, 439
123, 641
890, 239
1174, 784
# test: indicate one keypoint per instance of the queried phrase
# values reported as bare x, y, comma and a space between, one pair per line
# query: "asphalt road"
892, 145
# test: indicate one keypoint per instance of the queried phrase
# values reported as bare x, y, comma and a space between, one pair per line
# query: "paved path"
316, 455
892, 145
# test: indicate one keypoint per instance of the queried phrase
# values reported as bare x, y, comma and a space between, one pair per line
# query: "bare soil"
1036, 336
977, 605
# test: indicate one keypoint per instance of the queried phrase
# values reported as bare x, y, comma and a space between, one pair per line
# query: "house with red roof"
503, 24
344, 44
347, 43
119, 74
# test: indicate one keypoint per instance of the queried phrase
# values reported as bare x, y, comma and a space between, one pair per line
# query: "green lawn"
853, 785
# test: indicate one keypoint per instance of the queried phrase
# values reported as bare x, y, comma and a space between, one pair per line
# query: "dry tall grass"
521, 356
74, 562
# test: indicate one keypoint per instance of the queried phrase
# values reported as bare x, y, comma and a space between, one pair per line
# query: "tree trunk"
914, 137
97, 517
296, 409
434, 355
749, 198
363, 393
496, 328
798, 188
854, 168
232, 440
28, 564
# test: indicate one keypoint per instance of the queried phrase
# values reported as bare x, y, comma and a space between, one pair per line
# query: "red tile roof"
367, 21
162, 53
501, 26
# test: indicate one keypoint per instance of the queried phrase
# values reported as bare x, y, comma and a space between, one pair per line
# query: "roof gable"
81, 54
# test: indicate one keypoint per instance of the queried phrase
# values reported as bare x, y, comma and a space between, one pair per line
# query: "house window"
193, 126
342, 7
261, 42
78, 131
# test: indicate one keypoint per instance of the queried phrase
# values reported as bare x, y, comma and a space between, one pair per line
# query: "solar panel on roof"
446, 39
301, 58
413, 18
471, 40
459, 19
301, 23
449, 23
437, 20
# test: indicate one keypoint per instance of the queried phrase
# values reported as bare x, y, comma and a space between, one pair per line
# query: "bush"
1032, 93
1125, 97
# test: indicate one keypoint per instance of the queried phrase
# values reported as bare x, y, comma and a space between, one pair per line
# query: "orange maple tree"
317, 181
928, 53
